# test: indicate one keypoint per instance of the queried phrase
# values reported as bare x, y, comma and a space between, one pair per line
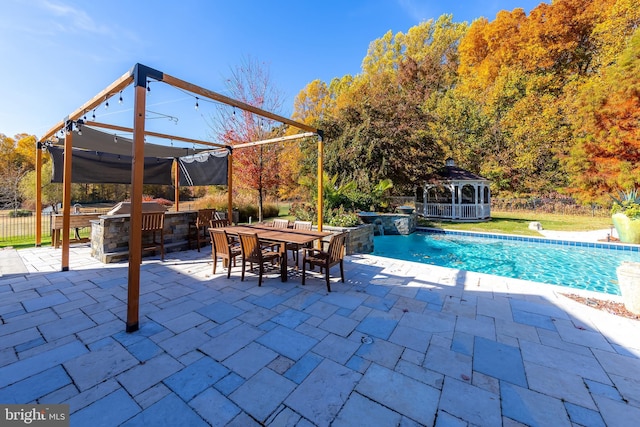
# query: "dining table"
281, 236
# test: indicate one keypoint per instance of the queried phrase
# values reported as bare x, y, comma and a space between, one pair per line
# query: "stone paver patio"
398, 344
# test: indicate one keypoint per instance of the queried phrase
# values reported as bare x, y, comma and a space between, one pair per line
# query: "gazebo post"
66, 193
38, 194
137, 176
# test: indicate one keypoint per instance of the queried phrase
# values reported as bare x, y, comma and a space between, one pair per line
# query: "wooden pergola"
139, 76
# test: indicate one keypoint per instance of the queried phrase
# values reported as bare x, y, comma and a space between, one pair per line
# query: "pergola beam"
272, 140
155, 134
110, 90
190, 87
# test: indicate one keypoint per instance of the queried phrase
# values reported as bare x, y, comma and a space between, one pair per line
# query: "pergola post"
137, 177
176, 184
230, 186
320, 179
38, 194
66, 193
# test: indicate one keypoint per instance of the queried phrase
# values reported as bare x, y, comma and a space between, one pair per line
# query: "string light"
115, 139
197, 103
120, 99
106, 103
94, 115
148, 86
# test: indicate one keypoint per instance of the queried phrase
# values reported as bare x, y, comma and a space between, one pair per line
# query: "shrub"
344, 219
303, 211
627, 203
20, 213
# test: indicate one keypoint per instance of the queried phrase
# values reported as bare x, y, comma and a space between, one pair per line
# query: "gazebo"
135, 168
454, 194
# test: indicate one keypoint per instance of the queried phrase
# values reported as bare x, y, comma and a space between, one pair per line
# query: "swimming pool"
574, 265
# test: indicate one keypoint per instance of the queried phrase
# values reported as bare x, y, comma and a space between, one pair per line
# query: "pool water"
580, 267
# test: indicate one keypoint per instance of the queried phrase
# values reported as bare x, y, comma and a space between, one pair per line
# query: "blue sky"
57, 54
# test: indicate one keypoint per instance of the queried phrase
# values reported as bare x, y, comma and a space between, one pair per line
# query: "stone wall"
359, 239
110, 235
395, 224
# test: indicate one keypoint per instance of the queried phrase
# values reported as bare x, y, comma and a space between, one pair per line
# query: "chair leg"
215, 262
326, 275
228, 268
243, 267
342, 271
260, 275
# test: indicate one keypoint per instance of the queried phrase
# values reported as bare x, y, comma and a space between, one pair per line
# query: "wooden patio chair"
218, 223
153, 222
294, 247
326, 259
280, 223
198, 228
221, 247
252, 252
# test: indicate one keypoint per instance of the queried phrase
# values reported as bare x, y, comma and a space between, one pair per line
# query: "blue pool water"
572, 266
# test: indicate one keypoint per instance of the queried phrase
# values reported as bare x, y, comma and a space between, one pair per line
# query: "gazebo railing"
462, 212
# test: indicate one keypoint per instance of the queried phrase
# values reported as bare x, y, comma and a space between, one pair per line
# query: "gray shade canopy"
103, 142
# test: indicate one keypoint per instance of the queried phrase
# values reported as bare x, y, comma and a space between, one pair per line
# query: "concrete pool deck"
399, 343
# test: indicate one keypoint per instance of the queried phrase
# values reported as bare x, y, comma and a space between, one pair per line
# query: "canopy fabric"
93, 167
204, 169
95, 140
102, 158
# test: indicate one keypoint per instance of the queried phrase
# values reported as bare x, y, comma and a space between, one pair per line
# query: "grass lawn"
518, 223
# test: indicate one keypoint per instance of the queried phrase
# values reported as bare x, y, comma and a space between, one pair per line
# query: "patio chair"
280, 223
198, 228
326, 259
221, 247
253, 252
153, 222
218, 223
294, 247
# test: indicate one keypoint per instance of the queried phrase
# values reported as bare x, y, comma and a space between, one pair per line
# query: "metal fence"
20, 228
23, 228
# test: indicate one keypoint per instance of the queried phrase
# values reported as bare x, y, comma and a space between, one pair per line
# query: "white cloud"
76, 20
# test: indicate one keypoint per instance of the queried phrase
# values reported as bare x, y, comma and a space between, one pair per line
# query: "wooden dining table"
282, 236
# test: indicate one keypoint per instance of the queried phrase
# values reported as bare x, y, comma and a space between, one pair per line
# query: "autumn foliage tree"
537, 103
255, 168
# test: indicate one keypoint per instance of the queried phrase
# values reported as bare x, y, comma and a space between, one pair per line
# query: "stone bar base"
110, 235
359, 239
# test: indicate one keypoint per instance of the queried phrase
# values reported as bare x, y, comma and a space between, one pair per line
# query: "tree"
255, 168
606, 155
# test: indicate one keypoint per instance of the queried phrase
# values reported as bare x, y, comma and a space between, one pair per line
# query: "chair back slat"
204, 216
336, 247
302, 225
152, 221
250, 246
220, 240
281, 223
218, 223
